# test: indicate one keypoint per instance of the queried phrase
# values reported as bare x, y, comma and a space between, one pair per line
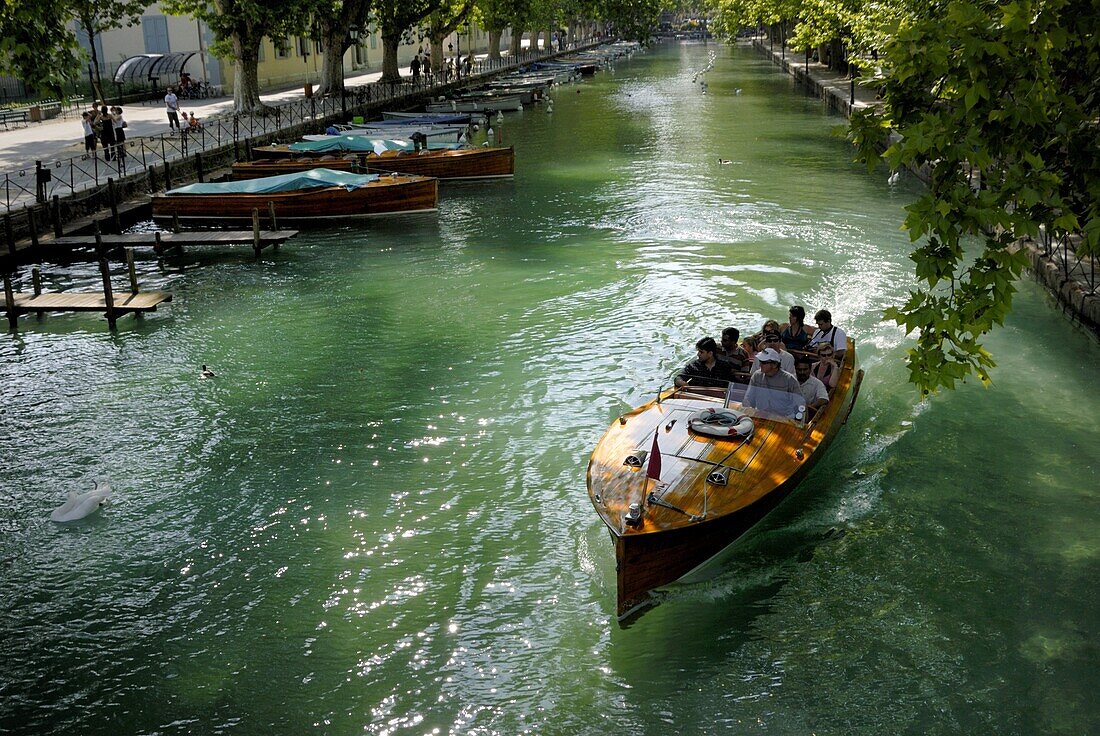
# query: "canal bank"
1072, 279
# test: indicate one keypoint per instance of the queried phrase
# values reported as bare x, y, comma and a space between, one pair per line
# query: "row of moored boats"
380, 167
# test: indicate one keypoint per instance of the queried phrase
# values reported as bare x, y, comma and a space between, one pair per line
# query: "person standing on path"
106, 133
120, 134
89, 132
172, 107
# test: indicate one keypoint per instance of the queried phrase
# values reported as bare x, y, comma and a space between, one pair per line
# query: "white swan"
894, 178
80, 505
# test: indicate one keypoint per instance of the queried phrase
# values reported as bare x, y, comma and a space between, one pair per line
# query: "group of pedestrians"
107, 127
455, 66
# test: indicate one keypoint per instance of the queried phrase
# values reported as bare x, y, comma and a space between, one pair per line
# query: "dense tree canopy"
999, 105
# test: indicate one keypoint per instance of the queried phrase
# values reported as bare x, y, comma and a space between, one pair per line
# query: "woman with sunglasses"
826, 369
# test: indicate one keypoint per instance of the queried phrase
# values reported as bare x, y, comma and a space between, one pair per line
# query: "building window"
282, 48
317, 47
155, 30
373, 41
302, 46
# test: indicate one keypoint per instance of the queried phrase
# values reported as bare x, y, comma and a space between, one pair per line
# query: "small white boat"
479, 104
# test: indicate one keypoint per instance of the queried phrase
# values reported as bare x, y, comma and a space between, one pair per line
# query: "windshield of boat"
760, 401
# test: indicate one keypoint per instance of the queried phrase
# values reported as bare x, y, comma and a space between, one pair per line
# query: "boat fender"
636, 458
721, 423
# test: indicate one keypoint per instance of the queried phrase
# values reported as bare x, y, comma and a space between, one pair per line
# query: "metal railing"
39, 182
1061, 249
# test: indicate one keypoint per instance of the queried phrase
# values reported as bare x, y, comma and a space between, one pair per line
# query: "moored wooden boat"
277, 166
461, 163
317, 195
710, 490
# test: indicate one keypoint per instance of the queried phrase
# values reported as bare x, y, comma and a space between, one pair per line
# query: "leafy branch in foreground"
999, 105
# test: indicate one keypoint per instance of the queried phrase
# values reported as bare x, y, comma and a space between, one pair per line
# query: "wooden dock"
162, 240
135, 302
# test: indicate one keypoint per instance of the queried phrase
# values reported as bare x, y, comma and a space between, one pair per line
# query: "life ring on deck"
721, 423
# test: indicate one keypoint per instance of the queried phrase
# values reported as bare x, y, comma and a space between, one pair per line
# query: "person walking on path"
172, 107
106, 133
414, 67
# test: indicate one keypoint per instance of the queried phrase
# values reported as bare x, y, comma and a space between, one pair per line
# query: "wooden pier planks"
87, 301
170, 239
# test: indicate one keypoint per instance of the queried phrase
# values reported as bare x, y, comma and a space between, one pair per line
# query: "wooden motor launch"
315, 195
381, 155
724, 463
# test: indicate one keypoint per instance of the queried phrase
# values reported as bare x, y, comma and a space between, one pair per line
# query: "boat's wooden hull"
463, 163
275, 166
668, 544
387, 196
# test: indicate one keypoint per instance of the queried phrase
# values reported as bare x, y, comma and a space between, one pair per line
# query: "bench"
10, 118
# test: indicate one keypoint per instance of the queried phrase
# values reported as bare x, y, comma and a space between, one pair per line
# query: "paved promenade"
63, 137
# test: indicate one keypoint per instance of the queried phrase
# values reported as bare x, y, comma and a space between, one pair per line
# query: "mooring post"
33, 227
105, 272
36, 284
198, 164
256, 246
112, 199
158, 247
152, 178
175, 221
9, 302
271, 211
167, 176
9, 234
57, 216
132, 270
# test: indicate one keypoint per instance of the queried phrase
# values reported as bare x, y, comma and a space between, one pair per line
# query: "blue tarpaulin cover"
311, 179
360, 144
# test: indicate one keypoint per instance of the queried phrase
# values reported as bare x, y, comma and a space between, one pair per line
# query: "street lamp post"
353, 35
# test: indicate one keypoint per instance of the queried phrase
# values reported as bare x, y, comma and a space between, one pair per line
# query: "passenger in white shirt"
828, 332
813, 390
773, 341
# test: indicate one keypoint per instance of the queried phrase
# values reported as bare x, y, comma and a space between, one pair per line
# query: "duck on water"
682, 477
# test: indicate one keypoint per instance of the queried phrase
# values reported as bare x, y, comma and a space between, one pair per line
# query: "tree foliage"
96, 17
36, 44
999, 105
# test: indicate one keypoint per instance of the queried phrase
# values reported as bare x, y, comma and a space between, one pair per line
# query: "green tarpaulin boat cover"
311, 179
360, 144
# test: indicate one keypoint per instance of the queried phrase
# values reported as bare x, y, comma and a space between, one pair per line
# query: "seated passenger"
825, 369
827, 332
733, 353
814, 395
706, 370
786, 360
795, 334
772, 389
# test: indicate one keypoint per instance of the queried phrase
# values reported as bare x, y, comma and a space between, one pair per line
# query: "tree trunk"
332, 66
494, 45
246, 84
97, 79
436, 44
517, 42
390, 72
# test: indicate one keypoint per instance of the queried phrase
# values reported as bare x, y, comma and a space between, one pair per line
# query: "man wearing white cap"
772, 389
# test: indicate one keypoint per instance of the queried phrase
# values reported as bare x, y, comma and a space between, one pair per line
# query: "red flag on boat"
653, 470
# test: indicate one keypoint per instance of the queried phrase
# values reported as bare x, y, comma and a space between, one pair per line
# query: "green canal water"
374, 519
